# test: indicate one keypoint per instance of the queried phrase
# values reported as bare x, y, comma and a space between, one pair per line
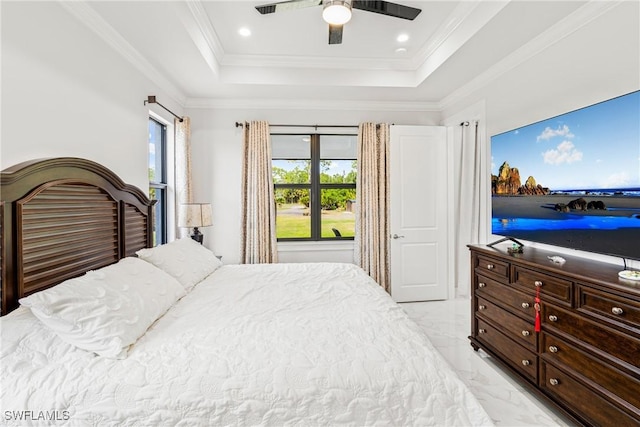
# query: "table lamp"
194, 215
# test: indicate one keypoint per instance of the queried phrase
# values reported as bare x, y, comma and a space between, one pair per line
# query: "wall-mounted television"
572, 180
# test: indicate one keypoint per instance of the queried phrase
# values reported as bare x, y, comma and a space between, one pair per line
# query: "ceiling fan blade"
387, 8
335, 34
287, 5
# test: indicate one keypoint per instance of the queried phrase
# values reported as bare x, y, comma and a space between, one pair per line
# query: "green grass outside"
293, 226
346, 226
299, 226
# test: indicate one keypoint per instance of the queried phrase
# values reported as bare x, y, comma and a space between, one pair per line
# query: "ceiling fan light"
336, 12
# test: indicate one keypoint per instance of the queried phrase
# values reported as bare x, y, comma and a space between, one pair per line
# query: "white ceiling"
193, 49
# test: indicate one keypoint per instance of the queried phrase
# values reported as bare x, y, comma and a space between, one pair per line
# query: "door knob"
395, 236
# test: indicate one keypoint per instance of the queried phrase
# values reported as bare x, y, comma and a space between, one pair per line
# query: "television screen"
572, 180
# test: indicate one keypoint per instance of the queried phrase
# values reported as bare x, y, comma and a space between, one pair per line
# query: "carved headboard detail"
62, 217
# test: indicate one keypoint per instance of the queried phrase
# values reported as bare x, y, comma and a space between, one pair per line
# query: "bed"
99, 328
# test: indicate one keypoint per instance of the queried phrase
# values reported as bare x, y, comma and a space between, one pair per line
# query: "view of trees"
331, 198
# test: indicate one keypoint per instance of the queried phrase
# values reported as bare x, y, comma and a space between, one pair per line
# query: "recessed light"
244, 32
401, 50
402, 38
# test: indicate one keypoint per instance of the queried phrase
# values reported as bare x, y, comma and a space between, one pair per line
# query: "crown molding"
467, 20
316, 62
454, 23
92, 20
310, 104
204, 35
444, 31
429, 57
201, 28
204, 24
82, 11
458, 16
562, 29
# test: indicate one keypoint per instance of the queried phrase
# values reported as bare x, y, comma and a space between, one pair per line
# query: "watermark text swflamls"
28, 415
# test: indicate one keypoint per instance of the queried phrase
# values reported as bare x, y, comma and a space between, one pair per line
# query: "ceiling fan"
338, 12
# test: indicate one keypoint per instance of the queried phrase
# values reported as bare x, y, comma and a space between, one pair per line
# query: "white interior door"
419, 213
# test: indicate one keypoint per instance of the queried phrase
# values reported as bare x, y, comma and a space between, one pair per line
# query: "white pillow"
185, 259
107, 310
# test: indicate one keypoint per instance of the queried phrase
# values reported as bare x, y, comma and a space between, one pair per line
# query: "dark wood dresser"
585, 359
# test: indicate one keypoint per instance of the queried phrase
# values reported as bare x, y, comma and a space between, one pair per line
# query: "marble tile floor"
447, 323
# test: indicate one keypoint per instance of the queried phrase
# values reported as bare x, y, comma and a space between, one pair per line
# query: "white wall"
65, 92
596, 62
217, 151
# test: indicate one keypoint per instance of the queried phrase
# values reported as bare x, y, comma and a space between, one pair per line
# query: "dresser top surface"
578, 268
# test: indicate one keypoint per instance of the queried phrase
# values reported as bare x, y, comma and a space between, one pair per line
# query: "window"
315, 186
158, 179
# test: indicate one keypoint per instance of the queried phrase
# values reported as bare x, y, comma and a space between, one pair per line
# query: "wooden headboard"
62, 217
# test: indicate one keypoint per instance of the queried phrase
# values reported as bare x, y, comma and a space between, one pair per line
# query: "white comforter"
287, 344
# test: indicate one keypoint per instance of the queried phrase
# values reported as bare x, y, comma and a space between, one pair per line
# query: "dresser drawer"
603, 377
494, 267
507, 297
551, 288
595, 409
613, 309
514, 327
607, 339
523, 360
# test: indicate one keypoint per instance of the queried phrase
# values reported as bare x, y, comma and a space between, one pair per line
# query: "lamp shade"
195, 215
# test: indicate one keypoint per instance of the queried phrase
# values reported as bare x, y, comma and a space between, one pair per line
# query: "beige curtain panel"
182, 137
372, 207
258, 200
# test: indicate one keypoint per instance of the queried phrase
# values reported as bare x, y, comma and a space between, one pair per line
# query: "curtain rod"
151, 99
239, 125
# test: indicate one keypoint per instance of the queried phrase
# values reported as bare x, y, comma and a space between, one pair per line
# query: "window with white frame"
314, 179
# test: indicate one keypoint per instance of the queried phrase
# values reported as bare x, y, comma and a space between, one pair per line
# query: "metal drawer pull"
553, 349
525, 333
525, 362
525, 305
490, 266
617, 310
554, 381
482, 307
482, 285
538, 283
553, 318
482, 331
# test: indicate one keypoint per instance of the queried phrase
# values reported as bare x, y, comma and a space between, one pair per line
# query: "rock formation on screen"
508, 183
579, 204
596, 204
